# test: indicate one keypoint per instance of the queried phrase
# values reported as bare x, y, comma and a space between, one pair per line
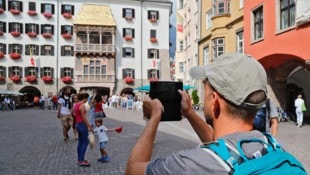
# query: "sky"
172, 31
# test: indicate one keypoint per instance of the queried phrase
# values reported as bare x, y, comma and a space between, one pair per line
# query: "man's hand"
186, 105
151, 107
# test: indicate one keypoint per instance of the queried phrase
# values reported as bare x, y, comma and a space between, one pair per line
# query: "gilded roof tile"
95, 15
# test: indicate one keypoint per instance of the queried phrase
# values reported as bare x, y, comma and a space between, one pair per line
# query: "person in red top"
99, 105
55, 102
83, 127
74, 101
36, 102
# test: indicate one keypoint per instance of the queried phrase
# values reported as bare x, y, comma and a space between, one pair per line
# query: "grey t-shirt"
272, 113
199, 161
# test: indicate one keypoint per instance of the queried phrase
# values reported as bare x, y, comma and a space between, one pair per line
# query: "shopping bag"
91, 139
303, 107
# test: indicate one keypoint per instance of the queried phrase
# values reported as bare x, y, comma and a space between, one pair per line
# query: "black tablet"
168, 95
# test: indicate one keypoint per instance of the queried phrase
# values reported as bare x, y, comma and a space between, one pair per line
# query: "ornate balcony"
95, 78
95, 48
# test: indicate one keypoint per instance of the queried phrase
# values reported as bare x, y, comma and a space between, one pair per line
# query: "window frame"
240, 49
288, 9
15, 48
258, 24
128, 72
128, 52
44, 8
128, 13
64, 10
47, 52
216, 45
153, 15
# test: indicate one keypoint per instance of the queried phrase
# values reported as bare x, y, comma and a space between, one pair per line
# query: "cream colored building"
221, 30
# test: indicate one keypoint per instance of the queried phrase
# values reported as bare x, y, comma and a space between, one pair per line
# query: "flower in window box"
67, 15
47, 79
2, 78
1, 55
15, 56
66, 79
15, 11
153, 40
15, 33
1, 33
15, 78
47, 35
128, 38
32, 34
47, 14
129, 18
32, 13
31, 78
66, 36
153, 20
1, 10
153, 79
129, 80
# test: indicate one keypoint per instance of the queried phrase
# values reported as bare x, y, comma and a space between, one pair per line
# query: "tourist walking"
98, 107
74, 102
64, 112
299, 102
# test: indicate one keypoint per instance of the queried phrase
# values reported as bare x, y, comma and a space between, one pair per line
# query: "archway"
27, 99
96, 89
73, 90
128, 91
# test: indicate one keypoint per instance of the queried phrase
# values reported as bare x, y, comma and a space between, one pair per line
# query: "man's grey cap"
235, 76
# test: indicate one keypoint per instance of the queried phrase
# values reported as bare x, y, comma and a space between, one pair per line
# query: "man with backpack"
235, 88
266, 119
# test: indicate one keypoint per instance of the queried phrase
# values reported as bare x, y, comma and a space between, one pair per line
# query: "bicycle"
284, 116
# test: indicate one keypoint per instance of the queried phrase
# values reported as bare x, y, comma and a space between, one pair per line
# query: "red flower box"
66, 79
2, 78
1, 10
1, 33
32, 13
66, 36
128, 38
14, 11
47, 15
15, 78
153, 79
153, 20
32, 34
47, 79
129, 18
15, 56
67, 15
47, 35
153, 40
1, 55
31, 79
129, 80
15, 33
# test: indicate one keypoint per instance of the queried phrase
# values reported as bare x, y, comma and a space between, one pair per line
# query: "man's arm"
142, 151
202, 129
273, 113
274, 126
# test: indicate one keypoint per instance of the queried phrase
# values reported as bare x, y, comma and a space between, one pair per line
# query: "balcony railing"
95, 78
95, 48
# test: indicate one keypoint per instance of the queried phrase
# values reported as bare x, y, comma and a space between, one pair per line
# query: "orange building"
277, 33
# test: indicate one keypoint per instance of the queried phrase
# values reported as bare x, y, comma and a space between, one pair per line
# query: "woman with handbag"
99, 105
83, 127
300, 109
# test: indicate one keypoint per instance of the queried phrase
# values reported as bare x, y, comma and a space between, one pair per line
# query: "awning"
6, 92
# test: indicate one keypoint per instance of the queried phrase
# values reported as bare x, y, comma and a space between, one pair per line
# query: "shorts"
98, 114
66, 119
103, 144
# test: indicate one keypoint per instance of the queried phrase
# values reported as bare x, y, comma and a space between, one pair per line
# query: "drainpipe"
57, 48
141, 43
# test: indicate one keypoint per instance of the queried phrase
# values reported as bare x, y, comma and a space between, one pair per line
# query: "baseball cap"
235, 76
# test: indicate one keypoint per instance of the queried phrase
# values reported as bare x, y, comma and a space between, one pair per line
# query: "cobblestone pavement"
32, 143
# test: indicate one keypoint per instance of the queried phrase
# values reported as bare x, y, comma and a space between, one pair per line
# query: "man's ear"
216, 104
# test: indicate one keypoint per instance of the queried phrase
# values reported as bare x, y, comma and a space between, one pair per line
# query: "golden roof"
99, 15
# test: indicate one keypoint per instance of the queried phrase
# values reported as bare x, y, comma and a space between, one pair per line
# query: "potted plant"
47, 79
128, 38
15, 33
15, 11
1, 10
31, 78
66, 36
48, 15
47, 35
15, 56
32, 13
129, 80
1, 55
1, 33
15, 78
66, 79
153, 20
32, 34
67, 15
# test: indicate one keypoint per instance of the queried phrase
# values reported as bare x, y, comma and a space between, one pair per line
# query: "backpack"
272, 160
260, 120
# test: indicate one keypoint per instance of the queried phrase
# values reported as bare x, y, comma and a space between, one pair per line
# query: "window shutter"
72, 71
157, 50
72, 50
62, 52
27, 27
72, 10
41, 72
133, 52
124, 12
157, 15
158, 74
10, 71
148, 14
52, 50
124, 73
62, 30
42, 28
27, 51
21, 72
3, 5
148, 73
61, 72
124, 32
42, 50
148, 53
4, 71
26, 73
37, 50
37, 28
20, 48
133, 73
42, 8
20, 6
53, 9
4, 48
71, 30
133, 33
4, 27
52, 27
10, 48
10, 27
21, 27
124, 49
37, 71
62, 9
133, 13
52, 72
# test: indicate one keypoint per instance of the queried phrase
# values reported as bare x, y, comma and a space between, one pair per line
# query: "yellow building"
221, 30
